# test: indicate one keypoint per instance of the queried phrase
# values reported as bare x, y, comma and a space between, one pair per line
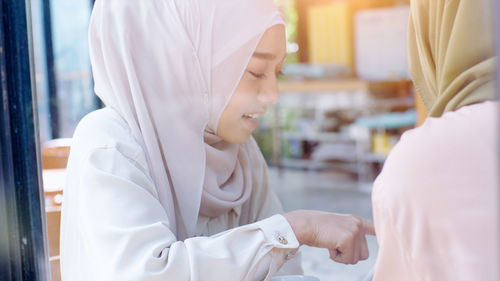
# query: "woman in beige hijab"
436, 200
165, 182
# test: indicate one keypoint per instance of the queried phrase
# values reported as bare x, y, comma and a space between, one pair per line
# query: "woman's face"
257, 88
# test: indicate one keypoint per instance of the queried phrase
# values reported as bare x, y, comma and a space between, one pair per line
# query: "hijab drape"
452, 56
169, 68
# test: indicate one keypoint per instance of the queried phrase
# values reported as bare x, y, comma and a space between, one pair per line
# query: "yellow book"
329, 32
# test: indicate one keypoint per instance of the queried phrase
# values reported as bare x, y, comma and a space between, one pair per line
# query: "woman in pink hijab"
165, 182
436, 200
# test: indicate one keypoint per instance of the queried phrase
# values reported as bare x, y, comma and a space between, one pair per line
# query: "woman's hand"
342, 235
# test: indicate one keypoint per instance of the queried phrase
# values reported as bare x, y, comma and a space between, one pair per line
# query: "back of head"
451, 50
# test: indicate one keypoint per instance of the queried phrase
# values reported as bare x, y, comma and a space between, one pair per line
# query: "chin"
237, 138
240, 140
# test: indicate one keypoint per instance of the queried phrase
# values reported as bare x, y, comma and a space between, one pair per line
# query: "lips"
251, 116
251, 120
254, 115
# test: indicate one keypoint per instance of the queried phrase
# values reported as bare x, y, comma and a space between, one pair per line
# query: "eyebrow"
265, 56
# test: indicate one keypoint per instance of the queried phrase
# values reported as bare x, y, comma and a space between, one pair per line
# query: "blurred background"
346, 98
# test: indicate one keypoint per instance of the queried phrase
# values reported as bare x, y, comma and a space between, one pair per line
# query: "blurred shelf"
320, 137
374, 87
316, 97
373, 158
322, 85
393, 102
306, 164
379, 104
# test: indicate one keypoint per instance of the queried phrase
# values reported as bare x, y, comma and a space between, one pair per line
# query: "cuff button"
282, 240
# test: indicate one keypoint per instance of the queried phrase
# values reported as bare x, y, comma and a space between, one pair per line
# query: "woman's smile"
251, 120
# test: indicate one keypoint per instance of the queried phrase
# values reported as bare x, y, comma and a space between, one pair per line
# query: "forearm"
249, 252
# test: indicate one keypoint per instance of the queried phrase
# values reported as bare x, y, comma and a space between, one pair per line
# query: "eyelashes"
262, 75
257, 75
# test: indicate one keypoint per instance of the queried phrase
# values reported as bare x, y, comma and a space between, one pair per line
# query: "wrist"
299, 224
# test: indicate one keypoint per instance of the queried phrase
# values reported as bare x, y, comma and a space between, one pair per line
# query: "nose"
270, 94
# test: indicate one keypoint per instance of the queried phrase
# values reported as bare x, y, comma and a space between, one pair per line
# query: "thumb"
368, 227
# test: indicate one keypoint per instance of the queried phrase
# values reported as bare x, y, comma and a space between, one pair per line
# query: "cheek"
231, 127
249, 85
235, 110
230, 117
244, 97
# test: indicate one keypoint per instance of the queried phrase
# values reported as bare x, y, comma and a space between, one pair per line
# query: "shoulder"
105, 130
102, 127
454, 148
450, 137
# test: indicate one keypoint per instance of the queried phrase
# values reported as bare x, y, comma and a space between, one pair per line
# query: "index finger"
368, 227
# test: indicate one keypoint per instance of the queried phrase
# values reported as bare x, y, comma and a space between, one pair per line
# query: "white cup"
294, 278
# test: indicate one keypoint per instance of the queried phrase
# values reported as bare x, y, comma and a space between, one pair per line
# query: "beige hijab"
452, 56
169, 68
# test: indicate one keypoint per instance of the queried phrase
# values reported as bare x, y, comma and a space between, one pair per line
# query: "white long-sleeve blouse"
114, 227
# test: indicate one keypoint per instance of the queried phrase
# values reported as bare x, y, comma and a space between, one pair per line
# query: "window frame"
23, 240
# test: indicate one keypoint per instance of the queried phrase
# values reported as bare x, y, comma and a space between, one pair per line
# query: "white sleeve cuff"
278, 232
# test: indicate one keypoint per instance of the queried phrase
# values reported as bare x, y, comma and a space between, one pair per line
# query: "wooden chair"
55, 268
55, 155
53, 215
53, 226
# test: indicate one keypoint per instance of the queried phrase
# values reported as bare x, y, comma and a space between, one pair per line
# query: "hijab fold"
452, 57
169, 68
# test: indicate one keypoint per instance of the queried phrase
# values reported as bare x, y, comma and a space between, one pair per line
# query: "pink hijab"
169, 68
